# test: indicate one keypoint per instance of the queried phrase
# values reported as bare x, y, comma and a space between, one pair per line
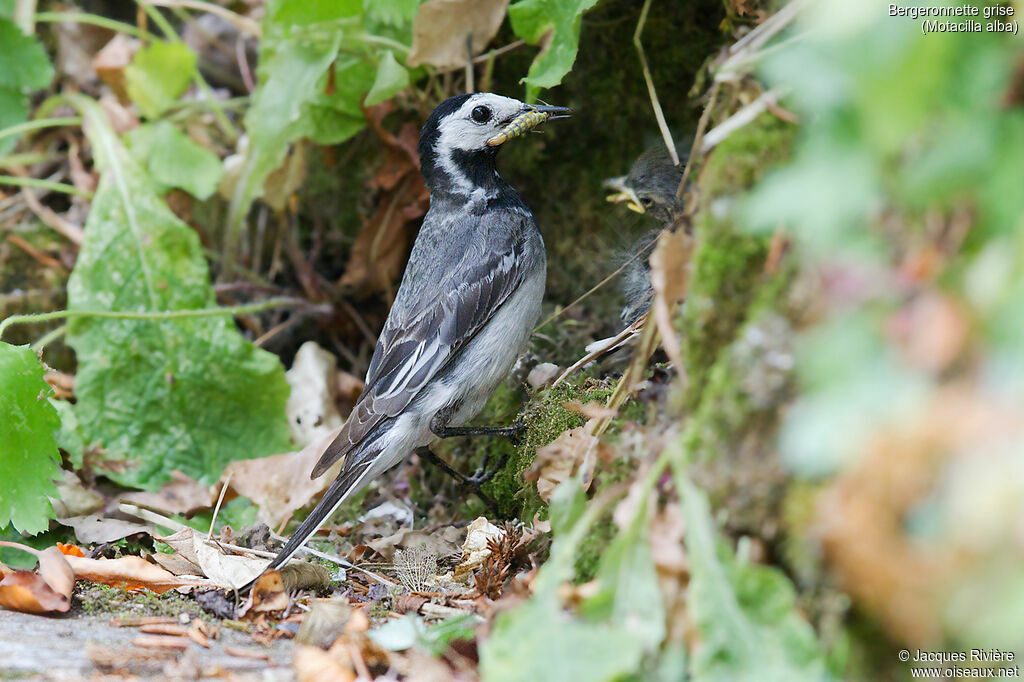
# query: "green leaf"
158, 75
539, 641
745, 614
174, 160
187, 394
568, 502
336, 117
291, 13
391, 12
23, 61
629, 593
532, 20
391, 79
13, 110
410, 631
28, 452
291, 77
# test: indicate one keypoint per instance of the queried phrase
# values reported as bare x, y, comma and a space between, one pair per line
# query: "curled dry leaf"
311, 409
128, 572
313, 664
475, 549
591, 410
44, 590
226, 570
574, 450
267, 594
670, 275
441, 27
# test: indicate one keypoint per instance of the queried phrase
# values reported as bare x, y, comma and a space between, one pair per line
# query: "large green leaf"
745, 613
532, 20
158, 75
188, 394
28, 452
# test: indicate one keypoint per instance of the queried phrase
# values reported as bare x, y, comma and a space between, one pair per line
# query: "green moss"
591, 549
545, 419
743, 157
95, 599
728, 267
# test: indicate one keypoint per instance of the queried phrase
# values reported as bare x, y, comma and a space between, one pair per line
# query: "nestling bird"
650, 188
468, 300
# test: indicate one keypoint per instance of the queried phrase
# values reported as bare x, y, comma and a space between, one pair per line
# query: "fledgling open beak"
531, 116
623, 194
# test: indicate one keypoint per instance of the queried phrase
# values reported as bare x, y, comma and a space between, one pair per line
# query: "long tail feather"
346, 484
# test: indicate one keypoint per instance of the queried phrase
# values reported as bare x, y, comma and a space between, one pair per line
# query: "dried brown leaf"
47, 589
670, 275
181, 495
128, 572
280, 484
313, 664
574, 450
441, 27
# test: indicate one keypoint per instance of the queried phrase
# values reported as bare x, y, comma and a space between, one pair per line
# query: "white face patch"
459, 130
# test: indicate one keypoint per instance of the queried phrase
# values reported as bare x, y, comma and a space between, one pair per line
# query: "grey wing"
421, 336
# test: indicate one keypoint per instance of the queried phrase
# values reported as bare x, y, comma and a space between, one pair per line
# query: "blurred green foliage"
24, 66
28, 451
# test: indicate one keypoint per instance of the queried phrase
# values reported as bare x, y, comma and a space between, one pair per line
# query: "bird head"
650, 187
461, 137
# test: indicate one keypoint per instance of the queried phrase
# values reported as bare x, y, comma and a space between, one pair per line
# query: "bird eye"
646, 201
481, 114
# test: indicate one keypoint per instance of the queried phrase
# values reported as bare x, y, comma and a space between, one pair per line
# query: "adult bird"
468, 300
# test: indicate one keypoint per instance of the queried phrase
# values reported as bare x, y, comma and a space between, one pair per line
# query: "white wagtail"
469, 298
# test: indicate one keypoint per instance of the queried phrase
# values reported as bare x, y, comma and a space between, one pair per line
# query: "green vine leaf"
174, 160
29, 460
158, 75
558, 23
391, 79
188, 394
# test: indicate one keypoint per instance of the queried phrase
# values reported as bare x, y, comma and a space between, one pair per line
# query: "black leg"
475, 481
444, 431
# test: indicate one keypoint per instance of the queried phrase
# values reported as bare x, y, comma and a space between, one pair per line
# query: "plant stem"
659, 115
43, 184
39, 123
49, 337
223, 122
94, 20
153, 315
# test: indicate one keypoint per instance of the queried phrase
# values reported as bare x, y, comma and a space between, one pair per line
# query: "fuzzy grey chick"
468, 301
649, 188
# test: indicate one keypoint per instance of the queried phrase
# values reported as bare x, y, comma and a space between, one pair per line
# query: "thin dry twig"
558, 313
666, 134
